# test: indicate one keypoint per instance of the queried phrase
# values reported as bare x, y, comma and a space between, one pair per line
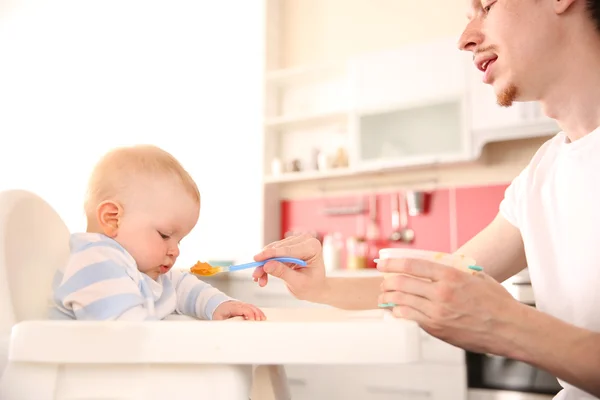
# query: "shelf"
296, 121
312, 175
522, 131
367, 168
397, 106
307, 72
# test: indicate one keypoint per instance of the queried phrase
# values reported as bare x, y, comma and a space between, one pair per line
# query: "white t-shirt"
555, 203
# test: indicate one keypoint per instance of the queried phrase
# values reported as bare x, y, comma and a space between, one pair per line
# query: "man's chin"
507, 95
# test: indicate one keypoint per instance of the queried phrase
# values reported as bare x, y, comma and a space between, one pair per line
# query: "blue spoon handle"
255, 264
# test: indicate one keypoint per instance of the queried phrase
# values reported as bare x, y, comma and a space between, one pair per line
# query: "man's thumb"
277, 269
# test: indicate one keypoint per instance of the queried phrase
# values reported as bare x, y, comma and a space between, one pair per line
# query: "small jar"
356, 253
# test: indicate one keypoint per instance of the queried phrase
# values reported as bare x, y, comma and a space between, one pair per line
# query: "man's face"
513, 43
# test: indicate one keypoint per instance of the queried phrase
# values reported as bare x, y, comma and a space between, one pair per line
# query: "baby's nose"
173, 252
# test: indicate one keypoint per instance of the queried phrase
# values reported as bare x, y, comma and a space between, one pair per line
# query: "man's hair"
593, 7
120, 167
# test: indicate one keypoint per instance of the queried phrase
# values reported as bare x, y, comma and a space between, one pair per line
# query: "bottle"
332, 251
276, 167
340, 158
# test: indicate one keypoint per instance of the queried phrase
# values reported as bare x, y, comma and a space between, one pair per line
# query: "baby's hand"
233, 308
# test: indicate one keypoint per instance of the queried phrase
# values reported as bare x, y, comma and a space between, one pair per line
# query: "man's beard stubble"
507, 96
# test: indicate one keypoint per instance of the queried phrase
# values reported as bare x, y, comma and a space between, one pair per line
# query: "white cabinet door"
378, 382
412, 136
415, 74
409, 106
441, 375
415, 382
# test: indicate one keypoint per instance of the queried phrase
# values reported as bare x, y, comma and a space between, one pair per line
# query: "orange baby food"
203, 269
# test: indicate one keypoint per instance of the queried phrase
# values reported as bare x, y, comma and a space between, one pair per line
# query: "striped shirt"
101, 281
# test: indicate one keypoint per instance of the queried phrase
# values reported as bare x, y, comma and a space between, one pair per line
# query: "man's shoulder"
523, 184
548, 151
541, 162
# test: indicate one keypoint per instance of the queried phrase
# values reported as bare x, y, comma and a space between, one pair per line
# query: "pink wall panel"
453, 217
432, 229
476, 207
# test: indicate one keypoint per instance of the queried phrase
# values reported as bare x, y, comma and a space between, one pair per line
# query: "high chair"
181, 358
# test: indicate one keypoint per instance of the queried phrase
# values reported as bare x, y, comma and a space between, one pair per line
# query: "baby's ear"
109, 214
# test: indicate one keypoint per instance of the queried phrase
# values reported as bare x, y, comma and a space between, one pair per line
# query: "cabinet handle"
391, 390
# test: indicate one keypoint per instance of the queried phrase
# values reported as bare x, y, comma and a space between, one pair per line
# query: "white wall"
314, 31
79, 77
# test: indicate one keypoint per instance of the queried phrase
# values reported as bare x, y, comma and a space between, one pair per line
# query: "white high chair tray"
289, 336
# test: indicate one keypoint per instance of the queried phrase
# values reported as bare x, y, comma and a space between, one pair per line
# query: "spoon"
407, 235
205, 269
396, 235
373, 227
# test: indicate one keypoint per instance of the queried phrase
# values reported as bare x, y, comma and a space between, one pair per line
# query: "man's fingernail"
386, 305
475, 268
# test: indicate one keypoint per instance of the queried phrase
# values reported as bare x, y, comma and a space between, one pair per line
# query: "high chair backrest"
34, 241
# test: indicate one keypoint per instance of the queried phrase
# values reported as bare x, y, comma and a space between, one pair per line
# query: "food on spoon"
203, 269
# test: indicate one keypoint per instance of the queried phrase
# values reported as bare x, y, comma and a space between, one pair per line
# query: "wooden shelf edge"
375, 168
306, 119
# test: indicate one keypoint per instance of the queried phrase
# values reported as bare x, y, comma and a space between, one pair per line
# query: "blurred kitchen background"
357, 121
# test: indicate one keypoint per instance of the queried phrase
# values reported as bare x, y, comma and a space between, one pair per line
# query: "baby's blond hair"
118, 168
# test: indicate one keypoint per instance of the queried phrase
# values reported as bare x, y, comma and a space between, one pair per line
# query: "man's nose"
472, 36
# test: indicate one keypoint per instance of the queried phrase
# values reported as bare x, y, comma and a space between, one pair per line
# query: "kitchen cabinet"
490, 122
407, 76
387, 109
307, 110
382, 382
420, 135
410, 108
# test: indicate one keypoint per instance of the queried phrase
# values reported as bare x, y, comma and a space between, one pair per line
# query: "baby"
140, 204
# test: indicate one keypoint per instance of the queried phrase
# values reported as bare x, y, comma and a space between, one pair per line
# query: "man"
528, 50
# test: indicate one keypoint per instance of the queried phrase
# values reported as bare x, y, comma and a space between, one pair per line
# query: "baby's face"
155, 219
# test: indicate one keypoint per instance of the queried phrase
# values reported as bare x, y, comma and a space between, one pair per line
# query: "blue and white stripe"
101, 282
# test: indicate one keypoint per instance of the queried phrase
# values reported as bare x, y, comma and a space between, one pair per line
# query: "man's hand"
467, 310
305, 283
